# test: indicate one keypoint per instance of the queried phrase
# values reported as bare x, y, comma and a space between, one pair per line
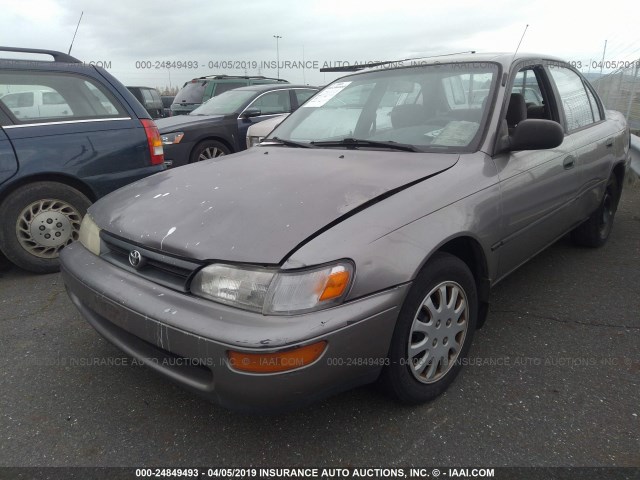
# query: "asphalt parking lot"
553, 380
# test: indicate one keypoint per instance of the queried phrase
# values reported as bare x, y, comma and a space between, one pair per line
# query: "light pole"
277, 37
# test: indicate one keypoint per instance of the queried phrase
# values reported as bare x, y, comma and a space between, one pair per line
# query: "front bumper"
187, 338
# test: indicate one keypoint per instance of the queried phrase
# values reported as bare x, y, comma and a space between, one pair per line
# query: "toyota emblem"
135, 259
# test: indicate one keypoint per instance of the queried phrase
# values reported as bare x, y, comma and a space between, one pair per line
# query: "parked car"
354, 244
69, 134
36, 104
257, 131
150, 100
219, 126
199, 90
167, 100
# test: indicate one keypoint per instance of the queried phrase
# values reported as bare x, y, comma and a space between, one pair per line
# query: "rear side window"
225, 87
148, 99
575, 101
273, 102
304, 95
44, 97
155, 96
597, 114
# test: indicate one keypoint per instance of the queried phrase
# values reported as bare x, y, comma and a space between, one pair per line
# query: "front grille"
157, 267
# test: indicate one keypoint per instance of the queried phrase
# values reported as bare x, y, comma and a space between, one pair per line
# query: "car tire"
596, 230
207, 150
39, 219
423, 359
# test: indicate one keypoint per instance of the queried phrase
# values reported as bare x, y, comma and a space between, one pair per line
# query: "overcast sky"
125, 33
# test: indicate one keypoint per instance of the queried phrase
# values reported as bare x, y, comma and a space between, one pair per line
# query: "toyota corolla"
360, 240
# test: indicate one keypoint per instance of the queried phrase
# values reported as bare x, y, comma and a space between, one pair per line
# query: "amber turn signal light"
277, 361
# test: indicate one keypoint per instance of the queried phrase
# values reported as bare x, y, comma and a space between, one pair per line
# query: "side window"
400, 96
148, 99
466, 90
156, 97
304, 95
52, 98
18, 100
273, 102
574, 97
526, 84
597, 115
455, 92
44, 96
108, 103
224, 87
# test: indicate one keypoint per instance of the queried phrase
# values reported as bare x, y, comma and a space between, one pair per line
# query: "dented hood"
258, 205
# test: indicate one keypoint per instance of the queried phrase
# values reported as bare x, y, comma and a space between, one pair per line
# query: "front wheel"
434, 331
207, 150
596, 230
39, 220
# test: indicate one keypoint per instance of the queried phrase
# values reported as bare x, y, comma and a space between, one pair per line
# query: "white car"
36, 104
258, 131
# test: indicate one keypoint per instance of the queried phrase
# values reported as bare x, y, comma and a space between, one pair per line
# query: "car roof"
505, 59
263, 87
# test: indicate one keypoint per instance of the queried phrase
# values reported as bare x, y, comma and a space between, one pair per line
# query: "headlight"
253, 141
171, 138
274, 292
90, 235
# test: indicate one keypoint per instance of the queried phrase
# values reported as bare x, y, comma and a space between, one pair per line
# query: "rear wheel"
207, 150
434, 331
596, 230
39, 220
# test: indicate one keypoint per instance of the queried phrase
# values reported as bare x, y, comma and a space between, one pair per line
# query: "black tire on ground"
208, 149
38, 220
5, 264
596, 230
434, 330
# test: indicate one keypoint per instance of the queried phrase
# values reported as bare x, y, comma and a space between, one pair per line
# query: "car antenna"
520, 42
355, 68
74, 33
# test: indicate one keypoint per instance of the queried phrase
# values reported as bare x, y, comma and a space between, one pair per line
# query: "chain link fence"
620, 90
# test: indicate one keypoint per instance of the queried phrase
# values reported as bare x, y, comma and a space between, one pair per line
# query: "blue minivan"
69, 134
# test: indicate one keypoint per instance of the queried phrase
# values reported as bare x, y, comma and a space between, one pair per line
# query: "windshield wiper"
356, 142
288, 143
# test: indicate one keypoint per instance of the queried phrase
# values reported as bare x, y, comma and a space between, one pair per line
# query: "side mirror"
251, 112
536, 134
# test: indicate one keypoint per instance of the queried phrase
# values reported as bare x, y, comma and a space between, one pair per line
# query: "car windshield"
226, 103
439, 107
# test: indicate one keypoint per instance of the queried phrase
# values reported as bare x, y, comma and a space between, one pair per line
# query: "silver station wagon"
359, 242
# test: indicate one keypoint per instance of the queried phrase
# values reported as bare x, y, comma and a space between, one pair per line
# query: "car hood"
171, 124
259, 205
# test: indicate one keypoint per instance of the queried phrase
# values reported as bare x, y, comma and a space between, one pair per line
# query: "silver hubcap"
45, 226
438, 331
210, 152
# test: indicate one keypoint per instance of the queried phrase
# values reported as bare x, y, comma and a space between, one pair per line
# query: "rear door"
8, 162
591, 134
96, 137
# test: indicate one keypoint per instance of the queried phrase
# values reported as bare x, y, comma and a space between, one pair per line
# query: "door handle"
609, 142
569, 163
